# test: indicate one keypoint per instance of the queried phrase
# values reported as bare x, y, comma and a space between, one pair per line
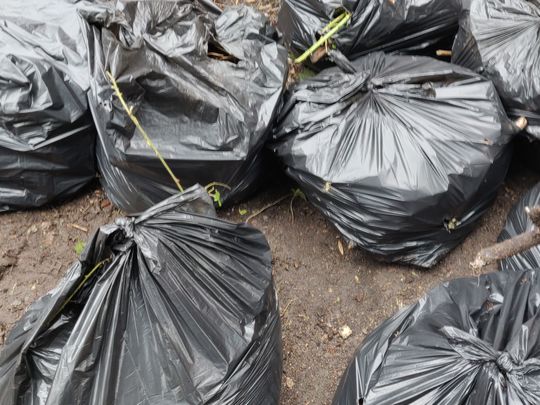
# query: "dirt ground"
319, 289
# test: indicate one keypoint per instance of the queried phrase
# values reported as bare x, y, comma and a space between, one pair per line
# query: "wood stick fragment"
272, 204
79, 227
512, 246
521, 123
220, 56
443, 52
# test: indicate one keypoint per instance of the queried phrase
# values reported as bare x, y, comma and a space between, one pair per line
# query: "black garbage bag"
405, 25
517, 223
171, 307
469, 341
403, 156
499, 38
46, 133
204, 86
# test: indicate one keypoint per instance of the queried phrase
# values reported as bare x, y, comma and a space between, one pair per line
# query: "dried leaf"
340, 247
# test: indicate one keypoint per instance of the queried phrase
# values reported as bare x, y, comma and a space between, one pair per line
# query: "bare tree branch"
512, 246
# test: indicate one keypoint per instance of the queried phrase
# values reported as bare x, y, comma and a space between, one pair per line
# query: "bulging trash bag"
171, 307
46, 133
469, 341
205, 87
403, 156
518, 222
405, 25
499, 38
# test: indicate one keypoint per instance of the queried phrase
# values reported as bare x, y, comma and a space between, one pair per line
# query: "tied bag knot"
126, 225
504, 363
474, 349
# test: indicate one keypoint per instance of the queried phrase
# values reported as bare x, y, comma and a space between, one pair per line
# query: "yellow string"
332, 23
129, 111
81, 285
210, 186
214, 192
331, 28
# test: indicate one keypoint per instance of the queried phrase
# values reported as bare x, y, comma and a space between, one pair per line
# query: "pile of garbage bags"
403, 154
204, 85
173, 306
47, 135
468, 341
499, 38
405, 25
519, 222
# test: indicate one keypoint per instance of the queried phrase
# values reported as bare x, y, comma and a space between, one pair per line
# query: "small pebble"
345, 332
289, 382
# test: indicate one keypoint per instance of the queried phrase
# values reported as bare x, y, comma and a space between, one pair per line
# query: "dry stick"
443, 52
291, 208
266, 207
287, 307
513, 246
79, 227
294, 195
518, 243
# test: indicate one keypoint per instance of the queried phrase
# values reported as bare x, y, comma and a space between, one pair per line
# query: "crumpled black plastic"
403, 156
500, 39
517, 223
375, 25
469, 341
47, 136
182, 311
209, 118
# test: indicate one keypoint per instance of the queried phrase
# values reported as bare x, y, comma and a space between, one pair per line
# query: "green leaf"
306, 74
242, 211
216, 195
79, 247
296, 192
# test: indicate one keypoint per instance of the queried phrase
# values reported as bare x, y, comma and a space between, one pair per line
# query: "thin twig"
79, 227
78, 288
133, 118
217, 183
443, 52
287, 307
272, 204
